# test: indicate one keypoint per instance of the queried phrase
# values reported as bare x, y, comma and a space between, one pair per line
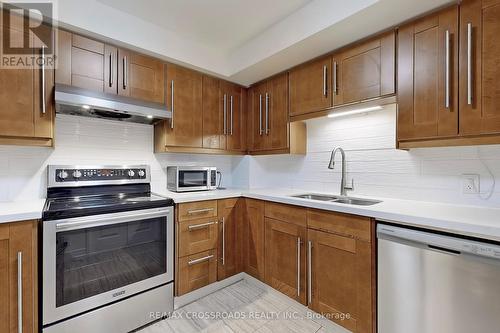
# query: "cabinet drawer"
197, 210
197, 271
344, 224
286, 213
197, 236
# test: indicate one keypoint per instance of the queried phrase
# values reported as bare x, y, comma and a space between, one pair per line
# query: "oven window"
98, 259
193, 178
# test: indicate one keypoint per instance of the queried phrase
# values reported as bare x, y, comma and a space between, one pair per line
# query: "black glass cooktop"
67, 207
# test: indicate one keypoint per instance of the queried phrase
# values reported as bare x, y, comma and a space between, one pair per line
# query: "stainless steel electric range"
107, 250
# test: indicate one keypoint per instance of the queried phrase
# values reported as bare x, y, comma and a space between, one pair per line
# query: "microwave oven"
191, 178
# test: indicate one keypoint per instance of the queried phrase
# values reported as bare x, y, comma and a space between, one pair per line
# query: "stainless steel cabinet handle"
299, 241
44, 102
260, 114
325, 75
469, 63
199, 226
172, 90
125, 73
267, 114
335, 85
19, 292
231, 110
199, 211
223, 242
225, 114
197, 261
447, 70
309, 272
110, 81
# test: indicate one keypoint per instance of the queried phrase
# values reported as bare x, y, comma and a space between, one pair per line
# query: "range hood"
83, 102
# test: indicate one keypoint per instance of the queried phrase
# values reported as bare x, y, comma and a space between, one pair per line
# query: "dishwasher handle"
446, 244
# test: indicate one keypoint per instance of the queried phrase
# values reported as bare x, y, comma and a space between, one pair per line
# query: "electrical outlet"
470, 184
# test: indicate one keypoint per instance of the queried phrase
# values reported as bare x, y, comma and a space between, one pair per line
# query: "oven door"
193, 179
95, 260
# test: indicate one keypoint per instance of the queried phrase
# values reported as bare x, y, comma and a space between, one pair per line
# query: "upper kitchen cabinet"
310, 88
270, 130
140, 76
427, 77
479, 99
100, 67
213, 136
232, 116
365, 71
26, 96
184, 131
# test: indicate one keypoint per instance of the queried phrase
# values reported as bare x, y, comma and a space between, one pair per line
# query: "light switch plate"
470, 184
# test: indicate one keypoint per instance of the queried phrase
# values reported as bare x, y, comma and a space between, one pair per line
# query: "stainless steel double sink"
338, 199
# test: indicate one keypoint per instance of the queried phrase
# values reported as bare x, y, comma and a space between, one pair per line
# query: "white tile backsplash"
90, 141
378, 169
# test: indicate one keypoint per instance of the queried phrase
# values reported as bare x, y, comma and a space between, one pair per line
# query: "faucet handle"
351, 187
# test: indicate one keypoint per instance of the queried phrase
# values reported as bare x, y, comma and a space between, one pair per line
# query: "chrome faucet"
331, 165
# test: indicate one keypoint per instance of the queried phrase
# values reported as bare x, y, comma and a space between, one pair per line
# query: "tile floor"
244, 307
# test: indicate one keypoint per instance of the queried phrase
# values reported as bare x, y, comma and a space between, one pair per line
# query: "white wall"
92, 141
377, 168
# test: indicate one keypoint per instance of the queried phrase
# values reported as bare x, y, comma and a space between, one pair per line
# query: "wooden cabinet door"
254, 238
197, 236
196, 271
141, 77
480, 108
257, 136
365, 71
285, 258
213, 138
277, 134
18, 254
343, 274
184, 98
309, 87
233, 119
229, 249
21, 114
424, 110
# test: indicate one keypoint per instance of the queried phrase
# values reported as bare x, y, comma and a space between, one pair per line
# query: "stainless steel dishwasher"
434, 283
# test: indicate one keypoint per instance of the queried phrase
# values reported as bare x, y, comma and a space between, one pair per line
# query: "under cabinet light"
355, 111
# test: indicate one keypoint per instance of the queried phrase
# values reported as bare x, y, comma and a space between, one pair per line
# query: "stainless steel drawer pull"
325, 77
309, 272
231, 110
172, 90
197, 261
199, 226
199, 211
44, 98
111, 69
299, 241
260, 115
447, 70
19, 292
335, 85
125, 73
225, 114
267, 114
223, 242
469, 63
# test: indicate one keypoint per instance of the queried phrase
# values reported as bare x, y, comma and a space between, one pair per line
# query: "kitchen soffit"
243, 41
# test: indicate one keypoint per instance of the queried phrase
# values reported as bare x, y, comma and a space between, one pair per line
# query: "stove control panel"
82, 176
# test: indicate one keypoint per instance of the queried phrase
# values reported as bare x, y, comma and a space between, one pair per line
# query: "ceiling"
240, 40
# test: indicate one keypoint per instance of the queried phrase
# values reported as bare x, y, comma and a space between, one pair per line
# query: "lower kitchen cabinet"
285, 266
230, 249
196, 271
342, 283
18, 266
253, 249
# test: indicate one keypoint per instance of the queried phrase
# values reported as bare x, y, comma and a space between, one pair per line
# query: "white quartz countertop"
21, 210
464, 220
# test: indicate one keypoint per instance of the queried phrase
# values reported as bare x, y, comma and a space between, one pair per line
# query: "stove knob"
131, 173
62, 174
141, 173
77, 174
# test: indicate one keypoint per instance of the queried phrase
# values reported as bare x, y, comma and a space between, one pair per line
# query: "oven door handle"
109, 219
